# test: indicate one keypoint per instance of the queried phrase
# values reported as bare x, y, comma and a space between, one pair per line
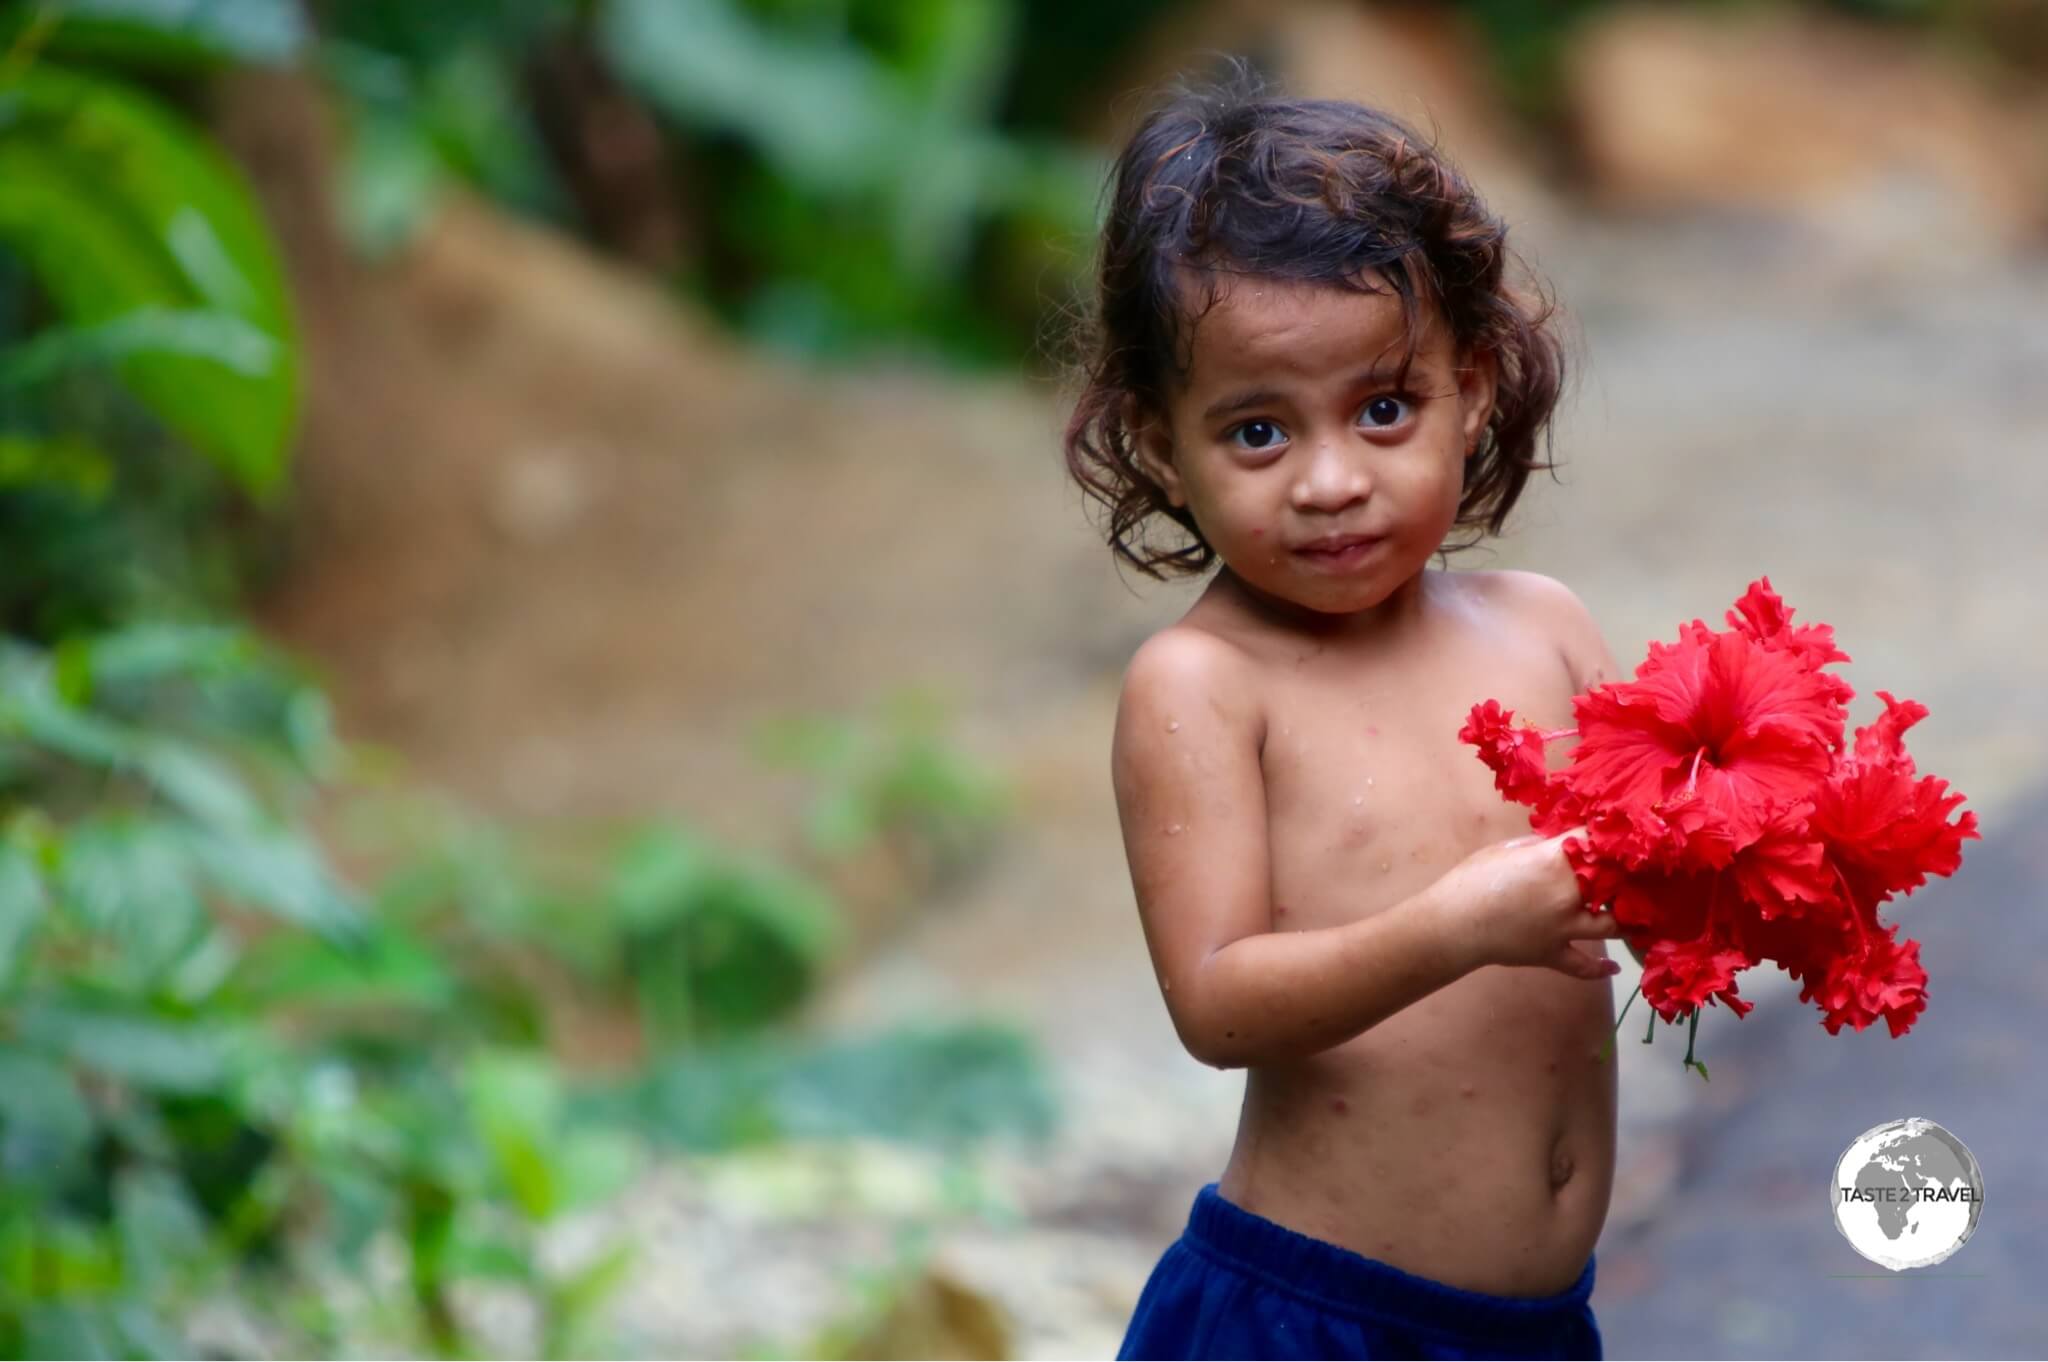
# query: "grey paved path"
1743, 1260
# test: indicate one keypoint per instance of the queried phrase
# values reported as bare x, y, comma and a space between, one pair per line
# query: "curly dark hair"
1228, 178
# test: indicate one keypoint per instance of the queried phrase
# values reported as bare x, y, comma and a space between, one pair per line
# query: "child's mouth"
1340, 553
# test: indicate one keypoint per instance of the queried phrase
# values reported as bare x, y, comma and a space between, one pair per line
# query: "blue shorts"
1236, 1284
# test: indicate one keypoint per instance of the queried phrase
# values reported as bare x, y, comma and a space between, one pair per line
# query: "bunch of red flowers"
1727, 822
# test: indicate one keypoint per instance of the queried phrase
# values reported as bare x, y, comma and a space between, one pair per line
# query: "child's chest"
1369, 793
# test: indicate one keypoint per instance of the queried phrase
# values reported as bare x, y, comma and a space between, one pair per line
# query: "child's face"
1290, 441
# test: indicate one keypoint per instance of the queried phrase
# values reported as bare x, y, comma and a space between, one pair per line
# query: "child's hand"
1518, 903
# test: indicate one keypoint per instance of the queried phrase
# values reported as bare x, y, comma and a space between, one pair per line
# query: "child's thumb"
1578, 964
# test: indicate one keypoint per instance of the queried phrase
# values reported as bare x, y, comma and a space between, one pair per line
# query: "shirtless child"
1308, 358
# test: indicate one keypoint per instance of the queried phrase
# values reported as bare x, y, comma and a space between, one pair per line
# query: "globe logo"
1907, 1193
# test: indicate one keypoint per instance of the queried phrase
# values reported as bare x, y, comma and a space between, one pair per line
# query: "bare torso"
1470, 1137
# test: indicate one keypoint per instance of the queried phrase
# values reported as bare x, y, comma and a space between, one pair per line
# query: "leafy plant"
148, 242
892, 777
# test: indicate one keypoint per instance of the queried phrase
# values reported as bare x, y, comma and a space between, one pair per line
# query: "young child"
1307, 355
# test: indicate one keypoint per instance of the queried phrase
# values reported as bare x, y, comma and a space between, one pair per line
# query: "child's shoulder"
1185, 672
1187, 658
1531, 591
1554, 610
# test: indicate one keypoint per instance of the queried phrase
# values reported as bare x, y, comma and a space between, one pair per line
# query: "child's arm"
1579, 641
1191, 796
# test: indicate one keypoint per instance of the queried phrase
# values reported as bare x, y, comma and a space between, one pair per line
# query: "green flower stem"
1627, 1003
1690, 1034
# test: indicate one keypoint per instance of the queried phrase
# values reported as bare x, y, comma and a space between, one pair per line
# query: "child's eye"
1269, 434
1386, 410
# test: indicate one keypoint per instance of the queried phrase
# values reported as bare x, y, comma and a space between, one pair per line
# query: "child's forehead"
1250, 323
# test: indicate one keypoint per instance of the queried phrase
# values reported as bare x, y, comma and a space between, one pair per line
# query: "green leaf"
48, 1125
655, 876
824, 112
205, 790
117, 205
746, 950
279, 871
132, 879
173, 33
152, 649
221, 337
32, 708
60, 462
162, 1231
66, 1328
390, 182
386, 969
149, 1051
21, 903
516, 1101
593, 1165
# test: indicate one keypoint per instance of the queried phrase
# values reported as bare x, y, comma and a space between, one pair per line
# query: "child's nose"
1333, 479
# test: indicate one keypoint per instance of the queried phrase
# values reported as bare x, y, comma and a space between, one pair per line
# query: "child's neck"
1401, 606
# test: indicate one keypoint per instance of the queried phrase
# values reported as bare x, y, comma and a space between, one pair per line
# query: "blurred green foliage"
891, 778
228, 1079
836, 169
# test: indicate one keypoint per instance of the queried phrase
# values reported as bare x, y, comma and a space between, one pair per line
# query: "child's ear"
1152, 446
1476, 380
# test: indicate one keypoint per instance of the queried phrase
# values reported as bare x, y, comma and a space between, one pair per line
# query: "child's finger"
1593, 926
1580, 965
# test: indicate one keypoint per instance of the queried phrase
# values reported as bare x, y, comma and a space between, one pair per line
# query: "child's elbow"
1209, 1041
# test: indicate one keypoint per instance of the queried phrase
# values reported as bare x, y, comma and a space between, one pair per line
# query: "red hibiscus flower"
1727, 822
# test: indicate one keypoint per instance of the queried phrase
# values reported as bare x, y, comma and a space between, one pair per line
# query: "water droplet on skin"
1166, 984
1173, 727
1368, 780
1173, 830
1358, 801
1384, 867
